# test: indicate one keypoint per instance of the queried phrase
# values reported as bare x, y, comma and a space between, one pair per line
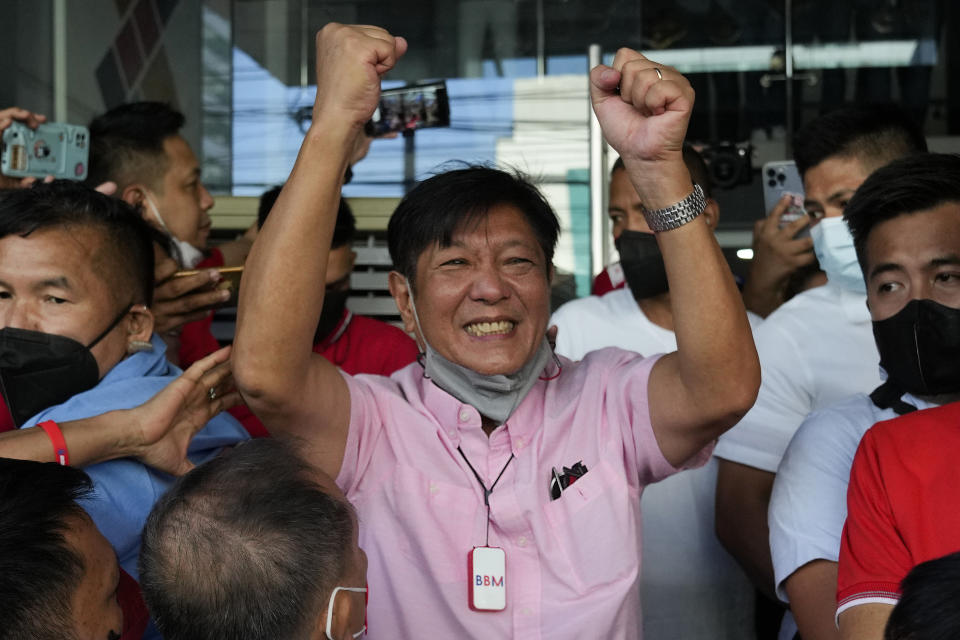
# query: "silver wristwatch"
679, 214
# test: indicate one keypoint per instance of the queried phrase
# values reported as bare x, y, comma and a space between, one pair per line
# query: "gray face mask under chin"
495, 396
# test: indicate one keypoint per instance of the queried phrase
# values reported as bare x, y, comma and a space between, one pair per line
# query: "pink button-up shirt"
572, 563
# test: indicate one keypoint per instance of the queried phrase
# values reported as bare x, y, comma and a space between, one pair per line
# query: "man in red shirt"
354, 343
901, 500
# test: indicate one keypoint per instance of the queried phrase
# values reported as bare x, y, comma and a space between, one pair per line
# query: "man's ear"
340, 626
353, 259
139, 323
402, 296
550, 273
711, 213
133, 194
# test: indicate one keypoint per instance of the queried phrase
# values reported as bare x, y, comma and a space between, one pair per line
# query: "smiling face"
914, 256
54, 281
96, 613
183, 201
484, 301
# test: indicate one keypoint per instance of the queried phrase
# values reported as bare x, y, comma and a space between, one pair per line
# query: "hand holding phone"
7, 117
50, 149
412, 107
187, 298
228, 282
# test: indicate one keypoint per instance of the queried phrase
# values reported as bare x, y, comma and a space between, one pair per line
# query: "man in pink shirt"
493, 448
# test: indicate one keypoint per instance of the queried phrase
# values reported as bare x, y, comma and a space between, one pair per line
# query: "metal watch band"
679, 214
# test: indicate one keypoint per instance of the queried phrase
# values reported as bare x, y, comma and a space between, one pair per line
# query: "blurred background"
242, 71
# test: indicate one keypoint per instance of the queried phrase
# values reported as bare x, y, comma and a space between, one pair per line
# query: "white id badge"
487, 572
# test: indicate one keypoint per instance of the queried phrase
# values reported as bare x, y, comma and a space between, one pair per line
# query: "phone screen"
413, 107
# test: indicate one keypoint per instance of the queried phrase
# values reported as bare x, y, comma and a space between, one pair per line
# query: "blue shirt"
125, 490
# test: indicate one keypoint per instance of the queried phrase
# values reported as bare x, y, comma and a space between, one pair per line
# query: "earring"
136, 346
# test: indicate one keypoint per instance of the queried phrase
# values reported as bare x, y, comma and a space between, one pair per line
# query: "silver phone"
781, 178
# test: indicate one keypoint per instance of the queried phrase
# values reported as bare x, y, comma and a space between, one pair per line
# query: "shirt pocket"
435, 523
595, 525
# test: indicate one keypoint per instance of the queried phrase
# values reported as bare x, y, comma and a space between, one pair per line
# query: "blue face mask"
833, 245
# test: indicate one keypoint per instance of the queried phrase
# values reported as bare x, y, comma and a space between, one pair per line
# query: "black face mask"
334, 302
642, 264
920, 348
40, 370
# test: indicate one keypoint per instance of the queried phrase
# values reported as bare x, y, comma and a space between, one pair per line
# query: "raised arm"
705, 387
291, 389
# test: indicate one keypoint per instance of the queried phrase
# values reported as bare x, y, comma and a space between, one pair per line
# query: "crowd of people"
661, 459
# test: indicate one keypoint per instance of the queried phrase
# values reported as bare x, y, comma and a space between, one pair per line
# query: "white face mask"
189, 256
333, 597
833, 245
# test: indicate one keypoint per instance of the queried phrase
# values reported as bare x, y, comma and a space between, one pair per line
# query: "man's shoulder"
919, 428
828, 438
852, 415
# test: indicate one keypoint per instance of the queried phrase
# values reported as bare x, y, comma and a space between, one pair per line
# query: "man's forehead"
70, 257
182, 159
834, 174
929, 237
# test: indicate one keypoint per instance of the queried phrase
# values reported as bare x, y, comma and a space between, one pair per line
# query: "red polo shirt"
901, 504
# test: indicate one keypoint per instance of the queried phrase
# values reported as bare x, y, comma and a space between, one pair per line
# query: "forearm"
812, 590
282, 291
743, 497
717, 360
864, 622
89, 441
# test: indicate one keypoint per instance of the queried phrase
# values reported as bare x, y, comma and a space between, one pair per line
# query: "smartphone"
417, 106
781, 178
230, 282
52, 149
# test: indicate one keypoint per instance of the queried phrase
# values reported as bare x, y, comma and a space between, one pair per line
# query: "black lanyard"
486, 492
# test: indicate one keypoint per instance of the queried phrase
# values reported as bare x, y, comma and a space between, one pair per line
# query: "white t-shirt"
809, 502
691, 587
815, 350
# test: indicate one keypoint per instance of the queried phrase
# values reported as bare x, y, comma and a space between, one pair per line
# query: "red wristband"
53, 432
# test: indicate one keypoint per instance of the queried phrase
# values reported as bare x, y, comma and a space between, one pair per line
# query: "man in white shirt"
683, 566
818, 347
897, 219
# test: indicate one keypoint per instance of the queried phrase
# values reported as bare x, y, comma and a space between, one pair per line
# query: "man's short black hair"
928, 609
908, 185
343, 232
247, 545
125, 261
438, 207
126, 144
39, 569
873, 134
696, 165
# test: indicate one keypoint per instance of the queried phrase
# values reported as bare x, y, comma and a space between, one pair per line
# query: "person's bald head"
249, 545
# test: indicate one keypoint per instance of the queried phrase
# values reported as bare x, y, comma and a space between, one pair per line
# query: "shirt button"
453, 434
525, 611
433, 487
520, 443
464, 415
522, 541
